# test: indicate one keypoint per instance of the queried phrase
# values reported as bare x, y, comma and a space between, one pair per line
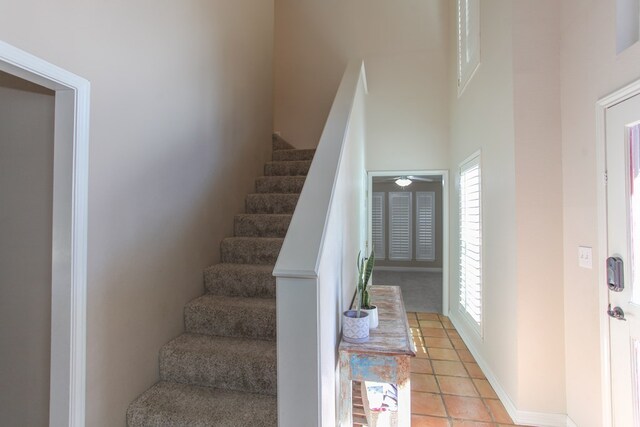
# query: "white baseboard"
570, 422
527, 418
409, 269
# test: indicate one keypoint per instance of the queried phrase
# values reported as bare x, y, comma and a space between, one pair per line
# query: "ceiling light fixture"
403, 182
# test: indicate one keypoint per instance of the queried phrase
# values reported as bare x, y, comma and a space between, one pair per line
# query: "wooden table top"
392, 336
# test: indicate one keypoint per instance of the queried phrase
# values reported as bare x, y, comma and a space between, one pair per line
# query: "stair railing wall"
316, 269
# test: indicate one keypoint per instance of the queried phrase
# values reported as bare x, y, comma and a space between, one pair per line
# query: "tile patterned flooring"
448, 388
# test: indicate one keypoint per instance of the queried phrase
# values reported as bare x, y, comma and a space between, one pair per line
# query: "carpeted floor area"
421, 291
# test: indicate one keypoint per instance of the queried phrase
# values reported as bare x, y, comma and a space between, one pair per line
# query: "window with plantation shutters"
378, 207
471, 239
425, 227
400, 241
468, 40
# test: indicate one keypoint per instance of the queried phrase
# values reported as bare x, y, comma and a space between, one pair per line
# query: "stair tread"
174, 404
272, 202
296, 154
232, 316
241, 268
209, 300
264, 215
223, 362
247, 280
249, 238
213, 345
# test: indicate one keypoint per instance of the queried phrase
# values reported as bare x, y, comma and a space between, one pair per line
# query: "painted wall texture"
26, 206
510, 112
181, 118
482, 119
405, 48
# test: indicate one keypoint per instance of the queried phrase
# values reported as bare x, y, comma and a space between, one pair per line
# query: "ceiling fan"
405, 180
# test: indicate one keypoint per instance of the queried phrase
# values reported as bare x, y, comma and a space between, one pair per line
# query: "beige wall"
181, 101
590, 69
510, 111
26, 197
482, 119
538, 166
404, 44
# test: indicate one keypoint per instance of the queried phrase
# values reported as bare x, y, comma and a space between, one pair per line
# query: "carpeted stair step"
229, 363
297, 154
280, 184
261, 225
173, 404
231, 317
250, 250
271, 203
295, 167
277, 143
240, 280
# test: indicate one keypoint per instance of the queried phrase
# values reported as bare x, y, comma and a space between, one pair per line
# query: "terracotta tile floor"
448, 387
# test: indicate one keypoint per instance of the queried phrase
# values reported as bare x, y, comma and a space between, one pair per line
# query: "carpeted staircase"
222, 370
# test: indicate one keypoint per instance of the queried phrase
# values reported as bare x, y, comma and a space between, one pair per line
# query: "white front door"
623, 250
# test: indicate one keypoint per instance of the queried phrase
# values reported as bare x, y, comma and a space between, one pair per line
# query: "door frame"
602, 105
69, 237
445, 219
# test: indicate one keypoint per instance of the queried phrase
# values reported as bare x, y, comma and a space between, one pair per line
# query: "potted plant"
365, 268
355, 324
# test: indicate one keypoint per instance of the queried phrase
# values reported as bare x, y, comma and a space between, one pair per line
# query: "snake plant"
365, 267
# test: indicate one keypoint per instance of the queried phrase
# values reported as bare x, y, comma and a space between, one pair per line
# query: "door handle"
616, 313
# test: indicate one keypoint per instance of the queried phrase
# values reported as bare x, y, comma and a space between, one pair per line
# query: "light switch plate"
585, 257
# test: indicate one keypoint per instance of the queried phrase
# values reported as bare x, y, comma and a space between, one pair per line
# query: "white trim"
69, 281
445, 220
601, 163
408, 269
570, 422
527, 418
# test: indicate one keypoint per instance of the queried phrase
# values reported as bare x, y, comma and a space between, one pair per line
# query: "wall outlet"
585, 257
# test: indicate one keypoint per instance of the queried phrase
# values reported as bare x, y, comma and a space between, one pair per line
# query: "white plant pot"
355, 329
373, 316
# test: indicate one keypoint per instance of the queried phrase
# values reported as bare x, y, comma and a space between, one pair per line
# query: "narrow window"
378, 208
425, 226
471, 239
400, 241
627, 24
468, 41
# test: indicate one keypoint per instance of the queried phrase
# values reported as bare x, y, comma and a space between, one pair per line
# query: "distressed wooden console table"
384, 358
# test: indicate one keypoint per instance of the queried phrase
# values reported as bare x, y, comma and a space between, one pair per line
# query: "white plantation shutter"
468, 39
378, 206
471, 239
425, 225
400, 226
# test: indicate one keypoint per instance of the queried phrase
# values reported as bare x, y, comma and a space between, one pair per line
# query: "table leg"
346, 402
404, 392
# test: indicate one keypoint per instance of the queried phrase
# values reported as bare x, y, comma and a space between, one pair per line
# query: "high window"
468, 40
471, 239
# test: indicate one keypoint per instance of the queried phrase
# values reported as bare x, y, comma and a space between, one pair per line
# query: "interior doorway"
408, 231
68, 228
26, 195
